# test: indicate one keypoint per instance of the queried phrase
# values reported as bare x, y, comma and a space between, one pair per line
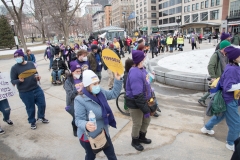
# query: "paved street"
175, 133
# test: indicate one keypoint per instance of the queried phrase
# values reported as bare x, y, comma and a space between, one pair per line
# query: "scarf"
107, 114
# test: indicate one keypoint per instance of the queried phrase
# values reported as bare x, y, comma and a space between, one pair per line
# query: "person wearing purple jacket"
229, 78
138, 92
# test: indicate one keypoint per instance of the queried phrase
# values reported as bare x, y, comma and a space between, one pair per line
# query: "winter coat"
236, 40
93, 62
195, 38
52, 52
121, 43
83, 105
153, 43
58, 64
71, 91
31, 56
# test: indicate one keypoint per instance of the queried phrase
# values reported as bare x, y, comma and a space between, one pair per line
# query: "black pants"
109, 151
194, 45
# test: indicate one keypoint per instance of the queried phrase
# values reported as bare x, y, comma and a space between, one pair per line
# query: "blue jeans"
31, 98
232, 119
5, 109
129, 49
55, 73
171, 49
51, 61
109, 151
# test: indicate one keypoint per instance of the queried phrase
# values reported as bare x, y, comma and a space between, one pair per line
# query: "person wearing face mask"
95, 61
29, 90
229, 79
94, 98
73, 86
82, 59
49, 53
138, 92
58, 67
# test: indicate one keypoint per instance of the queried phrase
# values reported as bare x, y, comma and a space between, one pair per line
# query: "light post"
124, 14
14, 34
178, 20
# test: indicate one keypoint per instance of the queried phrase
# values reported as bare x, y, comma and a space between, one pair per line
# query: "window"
171, 11
137, 11
193, 7
140, 4
165, 21
214, 15
206, 4
153, 15
136, 5
212, 3
188, 8
204, 16
154, 21
217, 2
141, 10
171, 2
179, 9
185, 9
145, 15
185, 1
145, 22
145, 2
187, 19
178, 1
197, 6
165, 5
234, 9
165, 13
160, 22
172, 20
153, 8
160, 14
145, 9
160, 6
194, 17
202, 5
153, 1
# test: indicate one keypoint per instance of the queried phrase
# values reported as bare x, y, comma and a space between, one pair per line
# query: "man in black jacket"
58, 67
153, 45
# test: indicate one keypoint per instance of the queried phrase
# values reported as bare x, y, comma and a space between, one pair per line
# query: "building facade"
107, 15
121, 9
93, 8
147, 16
233, 18
98, 21
102, 2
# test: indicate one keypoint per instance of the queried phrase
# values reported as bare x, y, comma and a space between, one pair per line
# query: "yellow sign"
136, 34
169, 40
180, 41
112, 61
27, 73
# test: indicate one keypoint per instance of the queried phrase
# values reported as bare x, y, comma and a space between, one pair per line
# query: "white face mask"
85, 58
77, 76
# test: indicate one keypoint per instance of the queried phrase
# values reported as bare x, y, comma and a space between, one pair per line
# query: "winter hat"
18, 52
224, 44
111, 46
137, 56
95, 42
89, 77
94, 47
232, 52
224, 36
74, 65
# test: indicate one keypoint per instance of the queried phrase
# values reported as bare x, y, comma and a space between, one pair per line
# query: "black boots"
143, 139
136, 144
74, 129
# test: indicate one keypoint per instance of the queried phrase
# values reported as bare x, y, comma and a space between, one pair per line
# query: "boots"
136, 144
143, 139
74, 129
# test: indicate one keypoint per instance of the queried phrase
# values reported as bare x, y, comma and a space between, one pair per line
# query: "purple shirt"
137, 83
230, 76
77, 84
83, 64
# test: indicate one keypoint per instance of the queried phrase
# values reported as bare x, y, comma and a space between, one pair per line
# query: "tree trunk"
22, 37
66, 34
43, 35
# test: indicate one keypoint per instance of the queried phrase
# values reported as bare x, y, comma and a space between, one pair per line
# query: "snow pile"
195, 61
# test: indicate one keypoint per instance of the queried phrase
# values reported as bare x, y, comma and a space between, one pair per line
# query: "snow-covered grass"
36, 48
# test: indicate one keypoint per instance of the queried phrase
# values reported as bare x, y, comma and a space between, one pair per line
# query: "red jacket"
129, 41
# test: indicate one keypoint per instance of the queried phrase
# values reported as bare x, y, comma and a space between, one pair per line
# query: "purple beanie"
74, 65
232, 52
224, 36
18, 52
137, 56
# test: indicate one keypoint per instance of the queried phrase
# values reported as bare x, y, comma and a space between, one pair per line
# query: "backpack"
216, 105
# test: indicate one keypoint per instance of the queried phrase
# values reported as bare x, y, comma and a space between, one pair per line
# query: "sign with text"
6, 87
112, 61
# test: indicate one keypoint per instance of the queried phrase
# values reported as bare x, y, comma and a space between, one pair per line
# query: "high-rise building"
233, 18
93, 8
102, 2
107, 15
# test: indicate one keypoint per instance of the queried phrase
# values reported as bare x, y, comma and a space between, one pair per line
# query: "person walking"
94, 100
236, 39
138, 92
175, 42
170, 43
121, 47
163, 43
95, 61
216, 66
29, 56
49, 53
153, 45
193, 39
229, 78
129, 43
29, 90
73, 87
215, 37
82, 59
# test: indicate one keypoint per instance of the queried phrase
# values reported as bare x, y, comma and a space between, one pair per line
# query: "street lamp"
14, 34
124, 21
178, 20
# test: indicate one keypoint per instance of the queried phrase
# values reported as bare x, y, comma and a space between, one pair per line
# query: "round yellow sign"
112, 61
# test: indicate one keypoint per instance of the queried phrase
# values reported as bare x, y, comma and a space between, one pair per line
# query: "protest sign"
112, 61
27, 73
6, 87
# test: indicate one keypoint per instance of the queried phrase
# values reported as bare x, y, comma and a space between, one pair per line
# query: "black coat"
153, 43
60, 64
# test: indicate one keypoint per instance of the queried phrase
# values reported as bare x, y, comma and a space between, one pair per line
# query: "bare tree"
16, 14
62, 13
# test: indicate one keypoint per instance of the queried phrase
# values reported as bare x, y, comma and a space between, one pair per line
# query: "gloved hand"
147, 115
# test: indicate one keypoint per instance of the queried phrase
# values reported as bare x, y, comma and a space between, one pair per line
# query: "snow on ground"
195, 61
36, 48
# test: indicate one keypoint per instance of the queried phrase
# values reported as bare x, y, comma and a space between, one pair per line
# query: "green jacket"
236, 40
214, 65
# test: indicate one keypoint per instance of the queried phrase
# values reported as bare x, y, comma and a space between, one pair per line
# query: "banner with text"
6, 87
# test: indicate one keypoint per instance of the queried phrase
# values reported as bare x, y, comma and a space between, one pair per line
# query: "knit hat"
111, 46
232, 52
95, 42
89, 77
224, 44
137, 56
18, 52
224, 36
74, 65
94, 47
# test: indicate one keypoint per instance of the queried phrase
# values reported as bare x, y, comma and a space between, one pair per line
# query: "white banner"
6, 87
